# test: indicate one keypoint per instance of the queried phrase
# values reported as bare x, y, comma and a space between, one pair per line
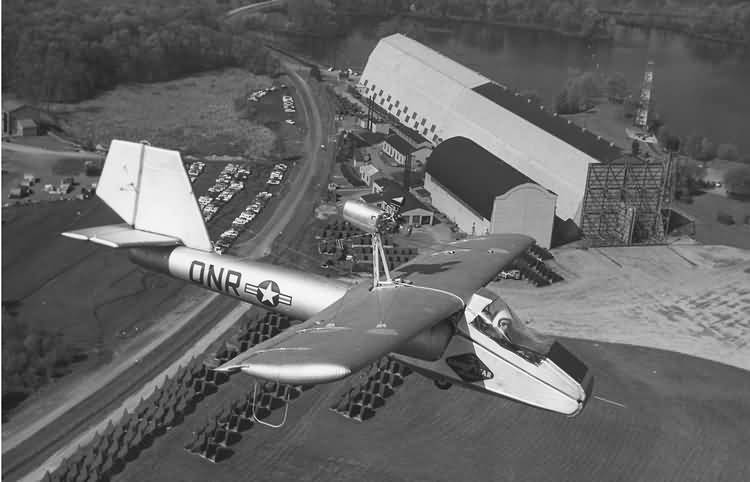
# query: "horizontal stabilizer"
121, 236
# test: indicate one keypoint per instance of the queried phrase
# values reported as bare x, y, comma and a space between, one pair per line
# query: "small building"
20, 119
26, 127
395, 147
366, 172
411, 209
484, 195
19, 192
421, 148
375, 127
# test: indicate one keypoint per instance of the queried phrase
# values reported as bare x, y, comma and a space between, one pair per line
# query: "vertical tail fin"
149, 189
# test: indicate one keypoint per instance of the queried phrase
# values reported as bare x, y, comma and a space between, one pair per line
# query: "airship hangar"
590, 183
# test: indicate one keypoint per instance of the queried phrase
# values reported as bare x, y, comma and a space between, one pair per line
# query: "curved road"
43, 444
255, 7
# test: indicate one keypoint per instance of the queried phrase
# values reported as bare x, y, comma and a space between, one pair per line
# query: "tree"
689, 174
737, 181
727, 152
315, 74
617, 87
707, 150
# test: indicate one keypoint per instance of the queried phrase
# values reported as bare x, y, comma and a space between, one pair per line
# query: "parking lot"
232, 196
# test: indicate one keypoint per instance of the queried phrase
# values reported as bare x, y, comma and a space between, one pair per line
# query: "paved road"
21, 451
38, 151
255, 7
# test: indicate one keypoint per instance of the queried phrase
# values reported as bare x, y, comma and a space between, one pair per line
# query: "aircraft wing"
462, 267
366, 324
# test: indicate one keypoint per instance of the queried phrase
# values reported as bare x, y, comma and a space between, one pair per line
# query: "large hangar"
441, 98
484, 195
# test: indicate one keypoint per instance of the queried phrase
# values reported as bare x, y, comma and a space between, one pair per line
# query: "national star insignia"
268, 293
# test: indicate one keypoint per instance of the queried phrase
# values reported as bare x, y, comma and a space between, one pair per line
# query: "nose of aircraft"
576, 381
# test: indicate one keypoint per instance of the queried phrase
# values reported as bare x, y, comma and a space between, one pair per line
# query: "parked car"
509, 274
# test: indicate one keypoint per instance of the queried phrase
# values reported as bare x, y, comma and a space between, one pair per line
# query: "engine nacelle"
364, 216
429, 345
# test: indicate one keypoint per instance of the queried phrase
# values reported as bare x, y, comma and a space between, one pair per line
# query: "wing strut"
378, 258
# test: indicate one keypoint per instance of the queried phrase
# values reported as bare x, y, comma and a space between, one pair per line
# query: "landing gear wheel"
443, 384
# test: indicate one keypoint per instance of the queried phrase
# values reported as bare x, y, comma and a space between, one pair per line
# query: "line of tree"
584, 90
68, 50
31, 358
722, 19
719, 19
580, 17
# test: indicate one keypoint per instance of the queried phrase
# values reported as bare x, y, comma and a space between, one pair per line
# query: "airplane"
432, 313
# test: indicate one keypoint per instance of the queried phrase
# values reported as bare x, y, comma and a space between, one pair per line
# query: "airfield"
665, 330
659, 415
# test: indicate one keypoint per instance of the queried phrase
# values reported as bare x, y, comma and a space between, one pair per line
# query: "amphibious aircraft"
433, 313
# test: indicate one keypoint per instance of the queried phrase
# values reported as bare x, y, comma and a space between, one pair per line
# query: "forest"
31, 357
720, 19
69, 50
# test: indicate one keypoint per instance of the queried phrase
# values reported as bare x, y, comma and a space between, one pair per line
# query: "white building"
484, 195
440, 98
366, 173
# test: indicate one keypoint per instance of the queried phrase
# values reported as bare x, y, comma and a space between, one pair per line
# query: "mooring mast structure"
644, 101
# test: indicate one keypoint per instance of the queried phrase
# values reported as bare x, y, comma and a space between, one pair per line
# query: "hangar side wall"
527, 209
458, 212
427, 97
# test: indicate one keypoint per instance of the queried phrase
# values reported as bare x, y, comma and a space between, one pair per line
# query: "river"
700, 87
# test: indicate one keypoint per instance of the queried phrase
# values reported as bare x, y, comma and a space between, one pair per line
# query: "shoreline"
620, 19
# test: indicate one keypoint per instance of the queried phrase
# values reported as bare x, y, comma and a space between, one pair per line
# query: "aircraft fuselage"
296, 294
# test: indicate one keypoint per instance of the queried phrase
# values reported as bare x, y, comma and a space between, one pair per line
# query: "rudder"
150, 190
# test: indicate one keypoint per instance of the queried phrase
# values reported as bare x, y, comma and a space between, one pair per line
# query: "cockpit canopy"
497, 319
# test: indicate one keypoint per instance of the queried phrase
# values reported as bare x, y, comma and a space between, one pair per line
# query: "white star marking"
268, 293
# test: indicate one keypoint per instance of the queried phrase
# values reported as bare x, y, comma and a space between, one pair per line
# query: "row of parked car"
288, 102
230, 181
259, 94
277, 175
241, 222
195, 170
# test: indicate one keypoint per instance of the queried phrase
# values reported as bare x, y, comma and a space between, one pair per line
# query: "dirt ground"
665, 431
689, 298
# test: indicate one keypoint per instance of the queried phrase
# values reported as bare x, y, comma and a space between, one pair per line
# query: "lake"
700, 87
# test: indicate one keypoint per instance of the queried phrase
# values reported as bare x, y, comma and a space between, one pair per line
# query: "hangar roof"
473, 174
563, 129
402, 46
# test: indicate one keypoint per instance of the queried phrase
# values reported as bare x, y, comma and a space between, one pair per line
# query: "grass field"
94, 295
709, 230
194, 115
